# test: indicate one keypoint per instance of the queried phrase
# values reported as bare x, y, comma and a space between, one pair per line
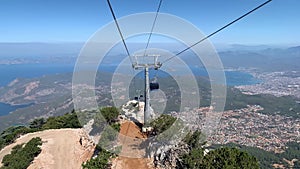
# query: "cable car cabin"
154, 86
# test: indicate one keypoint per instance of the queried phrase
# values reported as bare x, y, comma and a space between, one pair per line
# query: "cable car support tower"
156, 64
146, 67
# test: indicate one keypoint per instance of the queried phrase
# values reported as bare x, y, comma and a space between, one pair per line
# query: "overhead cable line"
153, 25
123, 40
119, 29
212, 34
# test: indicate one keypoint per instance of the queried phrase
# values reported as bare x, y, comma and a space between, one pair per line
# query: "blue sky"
77, 20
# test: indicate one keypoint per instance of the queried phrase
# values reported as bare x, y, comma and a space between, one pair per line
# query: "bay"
7, 108
10, 72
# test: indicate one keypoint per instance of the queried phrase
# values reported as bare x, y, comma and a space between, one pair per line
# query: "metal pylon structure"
156, 65
146, 66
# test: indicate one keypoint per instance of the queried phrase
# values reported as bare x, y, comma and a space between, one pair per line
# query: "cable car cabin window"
154, 86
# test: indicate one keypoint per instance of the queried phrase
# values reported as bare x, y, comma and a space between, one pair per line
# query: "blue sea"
7, 108
237, 78
10, 72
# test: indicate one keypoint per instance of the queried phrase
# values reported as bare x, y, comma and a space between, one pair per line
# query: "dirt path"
61, 149
132, 163
131, 156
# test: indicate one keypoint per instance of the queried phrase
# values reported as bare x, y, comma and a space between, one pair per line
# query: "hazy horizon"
68, 21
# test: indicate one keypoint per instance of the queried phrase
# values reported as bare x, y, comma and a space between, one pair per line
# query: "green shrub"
22, 156
100, 162
68, 120
162, 123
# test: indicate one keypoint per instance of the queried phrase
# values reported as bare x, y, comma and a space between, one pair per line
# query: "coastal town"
274, 83
247, 127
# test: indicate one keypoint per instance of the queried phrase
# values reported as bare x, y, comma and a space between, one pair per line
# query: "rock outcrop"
168, 156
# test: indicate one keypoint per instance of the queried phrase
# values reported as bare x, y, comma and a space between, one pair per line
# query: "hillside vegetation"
228, 156
22, 156
218, 158
109, 134
268, 159
192, 153
68, 120
285, 105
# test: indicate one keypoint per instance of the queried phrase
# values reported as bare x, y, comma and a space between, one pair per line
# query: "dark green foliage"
100, 162
105, 121
194, 159
9, 135
194, 139
37, 123
267, 159
292, 152
68, 120
110, 114
116, 126
104, 117
297, 164
162, 123
110, 134
221, 158
285, 106
229, 158
21, 156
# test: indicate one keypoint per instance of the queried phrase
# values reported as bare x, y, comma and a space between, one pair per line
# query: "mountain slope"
60, 149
